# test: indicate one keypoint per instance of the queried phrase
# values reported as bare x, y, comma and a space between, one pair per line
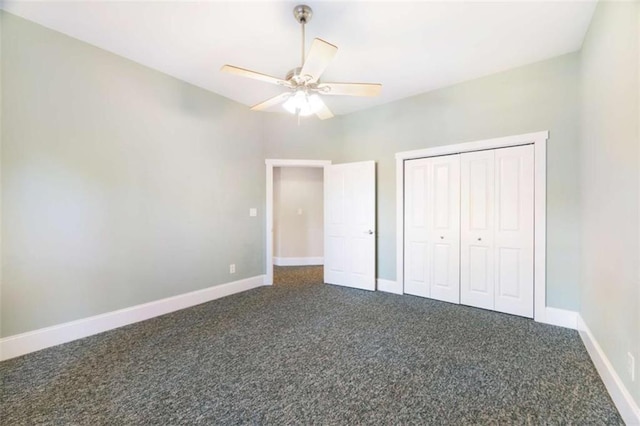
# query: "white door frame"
539, 140
268, 279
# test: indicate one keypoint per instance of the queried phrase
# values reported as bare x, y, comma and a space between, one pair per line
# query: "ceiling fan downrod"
303, 14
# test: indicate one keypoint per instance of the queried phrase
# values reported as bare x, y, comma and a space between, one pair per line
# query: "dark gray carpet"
302, 352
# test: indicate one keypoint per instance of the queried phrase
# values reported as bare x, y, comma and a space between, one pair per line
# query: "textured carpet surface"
301, 352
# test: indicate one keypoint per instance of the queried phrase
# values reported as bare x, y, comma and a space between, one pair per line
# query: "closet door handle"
479, 239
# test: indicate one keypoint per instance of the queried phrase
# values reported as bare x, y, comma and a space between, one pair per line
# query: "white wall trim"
271, 163
32, 341
296, 163
620, 395
561, 318
539, 140
298, 261
504, 142
388, 286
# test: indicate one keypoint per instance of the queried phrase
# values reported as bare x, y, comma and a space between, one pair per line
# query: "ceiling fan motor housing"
293, 76
302, 13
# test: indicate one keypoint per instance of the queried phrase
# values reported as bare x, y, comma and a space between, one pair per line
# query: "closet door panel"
514, 186
477, 227
444, 228
416, 275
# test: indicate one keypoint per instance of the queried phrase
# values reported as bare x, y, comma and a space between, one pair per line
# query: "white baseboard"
32, 341
388, 286
560, 317
620, 395
298, 261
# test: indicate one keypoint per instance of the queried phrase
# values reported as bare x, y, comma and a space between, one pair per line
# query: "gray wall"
311, 139
1, 122
610, 294
121, 185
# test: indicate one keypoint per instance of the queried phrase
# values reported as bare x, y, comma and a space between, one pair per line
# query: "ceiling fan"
303, 82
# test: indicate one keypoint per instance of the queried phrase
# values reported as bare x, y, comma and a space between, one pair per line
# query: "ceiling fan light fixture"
303, 104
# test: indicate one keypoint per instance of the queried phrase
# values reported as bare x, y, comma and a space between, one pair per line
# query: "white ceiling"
409, 47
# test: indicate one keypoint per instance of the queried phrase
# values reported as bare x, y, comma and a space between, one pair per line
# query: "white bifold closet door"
496, 247
432, 228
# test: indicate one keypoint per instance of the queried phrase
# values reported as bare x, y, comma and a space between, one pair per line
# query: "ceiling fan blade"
324, 112
350, 89
271, 101
319, 56
252, 74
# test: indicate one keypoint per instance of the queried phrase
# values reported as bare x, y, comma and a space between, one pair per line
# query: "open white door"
349, 225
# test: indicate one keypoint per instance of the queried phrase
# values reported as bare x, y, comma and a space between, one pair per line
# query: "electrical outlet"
232, 268
631, 366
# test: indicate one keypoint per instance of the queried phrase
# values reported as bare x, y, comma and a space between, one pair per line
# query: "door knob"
441, 237
370, 232
479, 239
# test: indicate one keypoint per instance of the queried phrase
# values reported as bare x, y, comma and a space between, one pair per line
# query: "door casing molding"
271, 163
539, 141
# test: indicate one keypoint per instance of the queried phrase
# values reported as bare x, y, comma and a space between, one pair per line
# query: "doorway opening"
298, 249
295, 225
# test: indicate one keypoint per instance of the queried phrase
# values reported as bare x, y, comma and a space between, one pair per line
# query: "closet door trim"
539, 140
